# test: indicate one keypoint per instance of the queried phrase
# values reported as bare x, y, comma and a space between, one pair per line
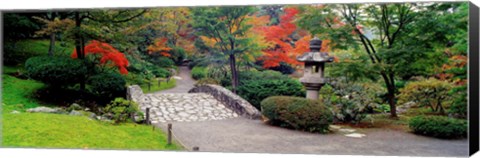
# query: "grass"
64, 131
17, 93
385, 121
199, 72
41, 46
154, 86
18, 54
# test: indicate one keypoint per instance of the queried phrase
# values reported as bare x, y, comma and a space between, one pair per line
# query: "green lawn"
154, 86
17, 93
64, 131
40, 47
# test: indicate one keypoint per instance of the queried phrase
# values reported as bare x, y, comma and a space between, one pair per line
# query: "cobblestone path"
185, 107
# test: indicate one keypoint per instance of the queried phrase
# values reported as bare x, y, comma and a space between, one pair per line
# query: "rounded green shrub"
254, 91
121, 110
56, 71
199, 73
439, 126
161, 72
297, 113
107, 85
163, 62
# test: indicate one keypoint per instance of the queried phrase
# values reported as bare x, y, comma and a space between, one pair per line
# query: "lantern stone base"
312, 94
312, 89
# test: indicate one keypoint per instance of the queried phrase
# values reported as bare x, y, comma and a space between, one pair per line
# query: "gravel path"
184, 82
239, 134
253, 136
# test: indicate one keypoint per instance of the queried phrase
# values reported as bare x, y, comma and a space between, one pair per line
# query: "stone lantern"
313, 76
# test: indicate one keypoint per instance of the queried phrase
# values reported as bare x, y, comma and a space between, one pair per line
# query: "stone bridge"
201, 103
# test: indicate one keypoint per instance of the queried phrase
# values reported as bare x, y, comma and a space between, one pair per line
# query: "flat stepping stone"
355, 135
346, 130
335, 127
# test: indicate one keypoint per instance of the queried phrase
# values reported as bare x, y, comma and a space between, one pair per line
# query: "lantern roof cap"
315, 57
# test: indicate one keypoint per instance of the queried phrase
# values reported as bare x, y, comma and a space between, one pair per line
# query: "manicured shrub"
163, 62
254, 91
55, 71
297, 113
107, 85
121, 110
259, 75
161, 72
427, 93
459, 107
199, 73
439, 126
247, 76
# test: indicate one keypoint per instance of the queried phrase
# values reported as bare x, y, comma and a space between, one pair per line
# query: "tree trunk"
391, 101
233, 70
391, 95
79, 45
51, 49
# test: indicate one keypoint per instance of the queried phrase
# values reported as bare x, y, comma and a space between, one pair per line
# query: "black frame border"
473, 90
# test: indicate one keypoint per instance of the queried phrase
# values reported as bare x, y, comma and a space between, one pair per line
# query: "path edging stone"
229, 99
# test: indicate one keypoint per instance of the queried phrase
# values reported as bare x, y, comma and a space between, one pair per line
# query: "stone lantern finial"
315, 45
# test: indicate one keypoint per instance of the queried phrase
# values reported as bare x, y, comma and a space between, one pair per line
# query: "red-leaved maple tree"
107, 53
284, 49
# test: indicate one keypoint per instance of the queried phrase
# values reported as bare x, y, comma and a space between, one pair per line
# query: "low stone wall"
229, 99
135, 93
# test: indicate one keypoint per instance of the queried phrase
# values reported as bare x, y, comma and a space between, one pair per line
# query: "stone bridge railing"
229, 99
135, 93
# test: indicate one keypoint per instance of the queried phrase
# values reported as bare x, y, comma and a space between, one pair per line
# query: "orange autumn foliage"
284, 49
160, 46
456, 61
107, 53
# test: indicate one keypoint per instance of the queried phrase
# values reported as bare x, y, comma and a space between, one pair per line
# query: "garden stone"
335, 127
138, 119
75, 113
74, 106
15, 112
92, 115
43, 109
355, 135
404, 107
347, 130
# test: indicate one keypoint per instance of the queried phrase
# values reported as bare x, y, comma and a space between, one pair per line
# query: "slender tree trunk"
391, 102
233, 70
51, 49
390, 94
79, 45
